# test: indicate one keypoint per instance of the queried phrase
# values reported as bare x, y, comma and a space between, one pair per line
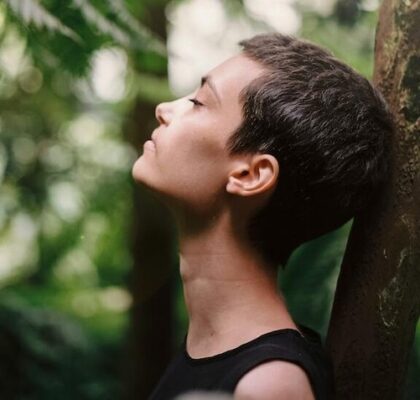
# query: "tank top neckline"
243, 346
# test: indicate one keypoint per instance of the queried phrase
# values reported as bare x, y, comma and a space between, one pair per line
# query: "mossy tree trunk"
377, 302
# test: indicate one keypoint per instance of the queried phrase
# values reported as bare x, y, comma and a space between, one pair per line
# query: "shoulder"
274, 380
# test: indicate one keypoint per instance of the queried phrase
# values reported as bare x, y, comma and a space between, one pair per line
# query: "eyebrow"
207, 79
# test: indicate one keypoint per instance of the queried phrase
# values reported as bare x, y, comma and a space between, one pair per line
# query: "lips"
149, 144
153, 138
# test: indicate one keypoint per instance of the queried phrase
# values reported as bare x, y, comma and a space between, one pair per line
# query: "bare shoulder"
274, 380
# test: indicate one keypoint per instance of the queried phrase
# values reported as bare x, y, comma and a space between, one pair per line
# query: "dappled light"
83, 250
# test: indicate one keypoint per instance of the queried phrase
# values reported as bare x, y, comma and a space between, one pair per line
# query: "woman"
280, 144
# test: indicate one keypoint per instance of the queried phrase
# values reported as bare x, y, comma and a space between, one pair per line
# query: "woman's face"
187, 160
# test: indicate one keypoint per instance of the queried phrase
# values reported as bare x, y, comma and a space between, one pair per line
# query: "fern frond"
149, 39
32, 12
145, 38
104, 26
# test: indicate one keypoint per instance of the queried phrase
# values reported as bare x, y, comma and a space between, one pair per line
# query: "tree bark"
377, 305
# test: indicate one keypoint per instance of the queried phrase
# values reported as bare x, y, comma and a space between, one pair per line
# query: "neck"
230, 294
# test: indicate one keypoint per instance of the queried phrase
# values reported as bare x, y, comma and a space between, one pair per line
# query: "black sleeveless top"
223, 371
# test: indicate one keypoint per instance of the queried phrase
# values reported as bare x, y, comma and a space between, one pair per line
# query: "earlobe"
259, 175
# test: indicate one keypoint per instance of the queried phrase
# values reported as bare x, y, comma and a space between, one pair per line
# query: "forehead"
234, 74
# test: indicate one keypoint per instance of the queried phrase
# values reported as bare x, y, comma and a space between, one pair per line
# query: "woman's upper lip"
153, 138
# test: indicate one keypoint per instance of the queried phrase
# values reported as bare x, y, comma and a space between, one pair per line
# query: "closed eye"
196, 102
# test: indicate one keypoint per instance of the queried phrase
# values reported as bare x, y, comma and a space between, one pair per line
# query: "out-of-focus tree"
69, 72
347, 12
151, 334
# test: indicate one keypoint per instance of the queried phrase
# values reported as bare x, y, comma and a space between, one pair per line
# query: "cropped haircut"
330, 131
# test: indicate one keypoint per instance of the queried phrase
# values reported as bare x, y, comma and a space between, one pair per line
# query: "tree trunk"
377, 304
150, 346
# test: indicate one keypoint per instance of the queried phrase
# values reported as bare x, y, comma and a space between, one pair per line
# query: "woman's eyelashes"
196, 102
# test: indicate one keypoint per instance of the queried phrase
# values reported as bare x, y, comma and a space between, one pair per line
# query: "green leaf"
31, 12
144, 40
148, 38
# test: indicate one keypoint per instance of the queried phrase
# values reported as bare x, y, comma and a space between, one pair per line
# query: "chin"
142, 174
139, 171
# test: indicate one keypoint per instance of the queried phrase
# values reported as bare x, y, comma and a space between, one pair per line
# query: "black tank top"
222, 372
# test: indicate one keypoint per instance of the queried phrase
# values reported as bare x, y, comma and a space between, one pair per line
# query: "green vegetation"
66, 190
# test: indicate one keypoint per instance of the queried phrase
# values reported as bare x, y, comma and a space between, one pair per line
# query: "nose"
162, 113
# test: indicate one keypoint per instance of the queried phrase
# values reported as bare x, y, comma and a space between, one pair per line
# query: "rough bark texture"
377, 302
150, 346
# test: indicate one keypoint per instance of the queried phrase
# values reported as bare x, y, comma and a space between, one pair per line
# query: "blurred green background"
71, 76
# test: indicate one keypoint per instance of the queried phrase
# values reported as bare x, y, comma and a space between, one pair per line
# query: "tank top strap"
295, 349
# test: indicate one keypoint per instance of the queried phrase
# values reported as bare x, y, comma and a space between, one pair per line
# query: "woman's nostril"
159, 114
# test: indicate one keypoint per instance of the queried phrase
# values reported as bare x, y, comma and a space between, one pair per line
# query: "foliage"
44, 354
65, 180
75, 29
66, 188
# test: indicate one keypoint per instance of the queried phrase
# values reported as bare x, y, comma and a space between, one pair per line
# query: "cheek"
193, 166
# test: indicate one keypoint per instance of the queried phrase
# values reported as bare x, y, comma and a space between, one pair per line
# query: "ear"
257, 175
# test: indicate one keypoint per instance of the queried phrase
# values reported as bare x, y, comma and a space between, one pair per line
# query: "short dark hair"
330, 131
